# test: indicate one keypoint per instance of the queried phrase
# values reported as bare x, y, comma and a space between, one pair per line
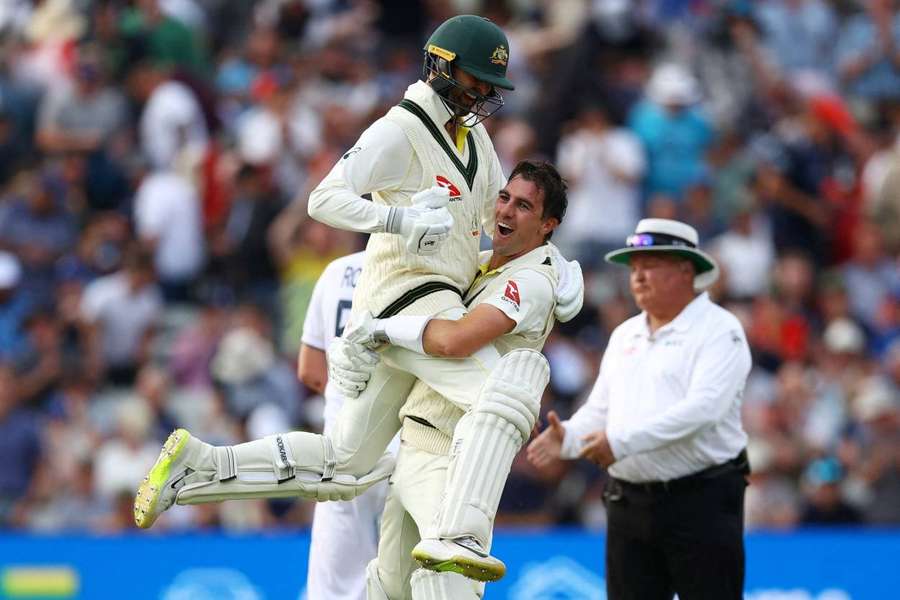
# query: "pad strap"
329, 459
226, 464
283, 458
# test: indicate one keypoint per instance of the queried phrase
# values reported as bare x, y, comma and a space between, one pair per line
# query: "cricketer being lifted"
433, 176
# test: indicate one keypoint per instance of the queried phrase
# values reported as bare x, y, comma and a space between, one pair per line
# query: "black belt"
415, 294
738, 464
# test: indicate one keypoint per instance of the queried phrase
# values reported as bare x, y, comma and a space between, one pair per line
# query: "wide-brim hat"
670, 237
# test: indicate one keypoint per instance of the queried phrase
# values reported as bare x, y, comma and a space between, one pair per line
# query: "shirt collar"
685, 319
422, 94
535, 257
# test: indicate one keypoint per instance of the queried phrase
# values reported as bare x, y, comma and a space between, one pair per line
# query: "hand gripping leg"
484, 444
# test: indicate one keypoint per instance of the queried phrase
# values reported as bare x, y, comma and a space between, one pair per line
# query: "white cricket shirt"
328, 312
670, 402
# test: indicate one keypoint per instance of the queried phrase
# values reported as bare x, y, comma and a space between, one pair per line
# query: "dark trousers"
688, 539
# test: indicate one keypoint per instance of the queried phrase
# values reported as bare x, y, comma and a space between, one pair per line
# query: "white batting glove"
425, 224
350, 366
569, 288
365, 330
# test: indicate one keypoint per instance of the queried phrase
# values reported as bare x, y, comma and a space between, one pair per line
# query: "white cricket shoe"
159, 488
463, 555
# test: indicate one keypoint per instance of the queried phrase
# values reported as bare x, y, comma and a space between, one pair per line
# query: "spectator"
20, 444
824, 502
40, 229
604, 165
871, 274
168, 223
866, 52
15, 305
172, 126
746, 254
674, 132
82, 117
123, 309
122, 460
800, 35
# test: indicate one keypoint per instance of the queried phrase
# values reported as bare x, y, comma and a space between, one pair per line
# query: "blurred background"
156, 259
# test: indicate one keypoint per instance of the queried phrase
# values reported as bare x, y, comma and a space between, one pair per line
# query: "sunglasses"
648, 240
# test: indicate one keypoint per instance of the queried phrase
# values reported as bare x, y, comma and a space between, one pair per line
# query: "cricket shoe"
179, 458
461, 555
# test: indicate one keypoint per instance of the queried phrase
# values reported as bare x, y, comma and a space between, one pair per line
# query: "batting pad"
430, 585
485, 442
295, 464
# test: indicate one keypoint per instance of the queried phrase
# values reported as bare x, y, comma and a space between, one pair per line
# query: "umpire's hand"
597, 449
546, 448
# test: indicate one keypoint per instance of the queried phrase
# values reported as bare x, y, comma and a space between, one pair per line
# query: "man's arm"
462, 338
380, 160
312, 368
521, 305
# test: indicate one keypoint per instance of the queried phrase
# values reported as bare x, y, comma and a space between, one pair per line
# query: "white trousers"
344, 540
416, 489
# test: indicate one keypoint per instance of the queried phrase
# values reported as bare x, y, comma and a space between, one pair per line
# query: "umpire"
664, 417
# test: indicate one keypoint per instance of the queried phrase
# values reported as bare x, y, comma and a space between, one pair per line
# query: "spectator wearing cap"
664, 417
674, 132
824, 503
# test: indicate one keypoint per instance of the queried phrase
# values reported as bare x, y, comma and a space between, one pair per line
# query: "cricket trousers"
365, 425
682, 537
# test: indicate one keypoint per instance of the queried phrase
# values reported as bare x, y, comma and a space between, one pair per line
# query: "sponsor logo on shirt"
511, 294
350, 152
446, 183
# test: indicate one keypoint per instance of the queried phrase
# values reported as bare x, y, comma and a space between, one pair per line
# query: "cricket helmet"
477, 46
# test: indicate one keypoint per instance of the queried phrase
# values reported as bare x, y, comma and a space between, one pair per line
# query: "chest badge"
446, 183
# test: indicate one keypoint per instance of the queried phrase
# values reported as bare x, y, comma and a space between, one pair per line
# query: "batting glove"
350, 366
424, 224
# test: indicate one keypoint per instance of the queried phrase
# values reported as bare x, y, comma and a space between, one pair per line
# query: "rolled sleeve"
527, 298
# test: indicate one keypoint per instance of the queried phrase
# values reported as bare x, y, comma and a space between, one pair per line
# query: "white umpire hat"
671, 237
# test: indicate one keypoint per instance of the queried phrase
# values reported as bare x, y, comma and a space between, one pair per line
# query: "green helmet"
474, 44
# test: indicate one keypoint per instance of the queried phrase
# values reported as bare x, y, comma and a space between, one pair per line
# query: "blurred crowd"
156, 259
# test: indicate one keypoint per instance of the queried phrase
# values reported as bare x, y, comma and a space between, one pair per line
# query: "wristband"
406, 331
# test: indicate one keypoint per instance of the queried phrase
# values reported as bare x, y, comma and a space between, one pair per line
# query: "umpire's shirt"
670, 402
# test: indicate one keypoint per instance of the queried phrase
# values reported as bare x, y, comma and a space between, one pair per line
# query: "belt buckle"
613, 491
